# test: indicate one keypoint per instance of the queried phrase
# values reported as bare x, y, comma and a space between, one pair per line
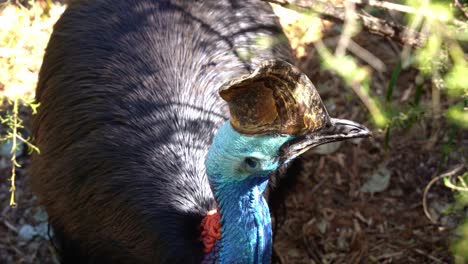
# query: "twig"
317, 186
383, 28
385, 5
281, 3
390, 255
457, 188
348, 28
358, 82
427, 255
371, 24
10, 226
362, 54
405, 54
13, 151
16, 250
425, 12
312, 250
404, 9
25, 141
367, 56
429, 185
459, 5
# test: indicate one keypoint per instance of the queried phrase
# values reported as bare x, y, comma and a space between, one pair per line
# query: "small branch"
10, 226
348, 29
403, 9
461, 7
362, 54
25, 141
425, 254
380, 27
385, 5
456, 188
13, 151
371, 24
281, 3
366, 56
449, 174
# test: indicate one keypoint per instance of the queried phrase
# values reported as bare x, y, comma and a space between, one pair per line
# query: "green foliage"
393, 80
441, 59
458, 115
356, 77
459, 246
13, 122
431, 57
457, 80
24, 33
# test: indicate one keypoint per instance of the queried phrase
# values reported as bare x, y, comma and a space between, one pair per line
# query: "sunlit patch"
24, 34
301, 28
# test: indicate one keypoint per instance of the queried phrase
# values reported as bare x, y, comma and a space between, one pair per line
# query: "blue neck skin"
246, 235
245, 222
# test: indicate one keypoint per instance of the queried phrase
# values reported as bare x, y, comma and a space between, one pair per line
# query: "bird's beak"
336, 130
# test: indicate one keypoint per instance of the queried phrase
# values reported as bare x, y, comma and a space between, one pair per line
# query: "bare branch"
403, 9
366, 56
385, 5
463, 9
371, 24
348, 29
361, 53
449, 174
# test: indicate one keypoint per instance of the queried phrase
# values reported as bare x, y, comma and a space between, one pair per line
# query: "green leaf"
391, 85
457, 80
458, 116
418, 94
387, 138
429, 56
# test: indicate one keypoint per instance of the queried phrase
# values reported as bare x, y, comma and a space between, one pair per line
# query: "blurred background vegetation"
434, 42
428, 43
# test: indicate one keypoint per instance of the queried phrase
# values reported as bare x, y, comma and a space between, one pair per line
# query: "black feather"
129, 107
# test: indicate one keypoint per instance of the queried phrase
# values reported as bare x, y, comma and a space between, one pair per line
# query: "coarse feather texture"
129, 108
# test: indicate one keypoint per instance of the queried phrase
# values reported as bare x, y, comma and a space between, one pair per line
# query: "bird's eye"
251, 163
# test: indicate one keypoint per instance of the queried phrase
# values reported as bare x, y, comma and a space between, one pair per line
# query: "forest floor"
360, 203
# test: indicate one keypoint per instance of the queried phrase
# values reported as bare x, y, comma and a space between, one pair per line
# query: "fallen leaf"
378, 182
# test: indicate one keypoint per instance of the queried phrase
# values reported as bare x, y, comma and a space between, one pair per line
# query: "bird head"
235, 157
276, 114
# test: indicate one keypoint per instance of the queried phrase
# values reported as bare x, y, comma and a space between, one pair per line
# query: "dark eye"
251, 162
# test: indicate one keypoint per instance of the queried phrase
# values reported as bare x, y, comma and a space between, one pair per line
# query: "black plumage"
129, 107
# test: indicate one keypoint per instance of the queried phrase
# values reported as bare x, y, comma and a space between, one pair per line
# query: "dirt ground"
333, 219
339, 210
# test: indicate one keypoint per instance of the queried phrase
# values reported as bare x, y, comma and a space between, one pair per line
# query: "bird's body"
129, 108
136, 145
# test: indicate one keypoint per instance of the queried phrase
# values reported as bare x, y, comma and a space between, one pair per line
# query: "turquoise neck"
246, 235
245, 222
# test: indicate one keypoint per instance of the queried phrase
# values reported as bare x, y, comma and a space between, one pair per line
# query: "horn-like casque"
276, 98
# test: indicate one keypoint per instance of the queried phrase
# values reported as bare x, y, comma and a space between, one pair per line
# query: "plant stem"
14, 129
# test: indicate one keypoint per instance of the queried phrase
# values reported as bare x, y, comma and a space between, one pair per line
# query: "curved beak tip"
341, 129
337, 130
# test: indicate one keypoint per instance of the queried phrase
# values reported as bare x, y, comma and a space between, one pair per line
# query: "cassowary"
139, 162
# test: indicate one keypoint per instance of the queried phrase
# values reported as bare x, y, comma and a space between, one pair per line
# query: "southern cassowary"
139, 162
